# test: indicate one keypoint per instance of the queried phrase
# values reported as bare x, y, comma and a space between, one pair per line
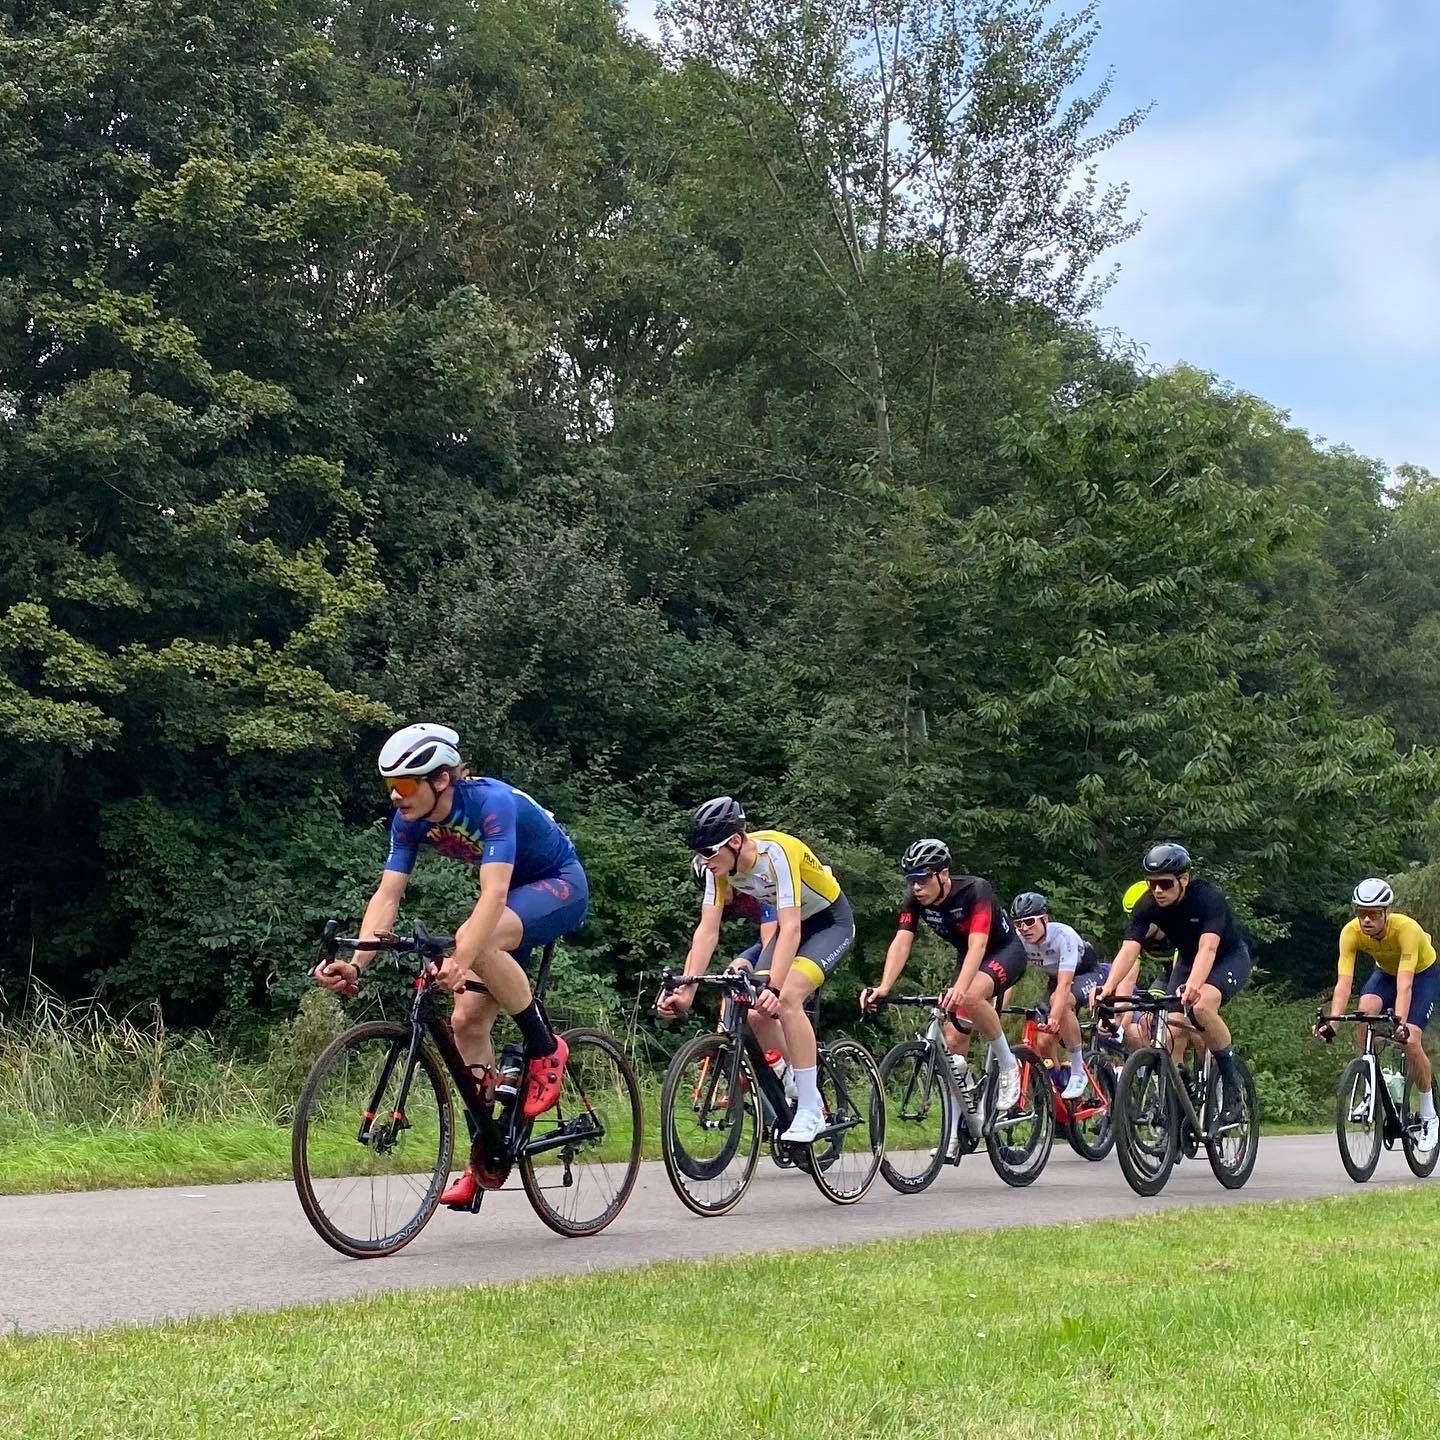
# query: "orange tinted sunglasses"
402, 785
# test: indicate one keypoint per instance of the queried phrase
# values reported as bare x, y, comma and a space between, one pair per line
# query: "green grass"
1256, 1321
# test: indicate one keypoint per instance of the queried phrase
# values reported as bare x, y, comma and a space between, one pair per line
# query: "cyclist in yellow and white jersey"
815, 927
1405, 981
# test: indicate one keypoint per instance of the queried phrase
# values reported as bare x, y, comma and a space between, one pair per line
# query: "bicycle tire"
684, 1168
850, 1086
1422, 1163
600, 1106
1360, 1158
1232, 1167
333, 1138
1146, 1145
908, 1064
1094, 1145
1016, 1166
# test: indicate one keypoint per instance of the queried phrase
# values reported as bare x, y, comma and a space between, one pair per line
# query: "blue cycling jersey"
489, 821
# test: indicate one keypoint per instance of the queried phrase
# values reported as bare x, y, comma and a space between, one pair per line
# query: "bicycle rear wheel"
1421, 1162
1019, 1141
1357, 1120
710, 1123
1232, 1151
845, 1161
1092, 1132
918, 1116
1147, 1122
579, 1163
371, 1141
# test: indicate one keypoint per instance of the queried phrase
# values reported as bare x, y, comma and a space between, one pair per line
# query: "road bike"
1374, 1104
940, 1110
1086, 1121
374, 1127
720, 1102
1164, 1111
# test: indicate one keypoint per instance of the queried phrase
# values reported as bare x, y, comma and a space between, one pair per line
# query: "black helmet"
715, 822
1027, 904
1166, 859
925, 857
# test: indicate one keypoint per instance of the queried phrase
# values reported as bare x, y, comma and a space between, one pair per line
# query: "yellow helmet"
1133, 894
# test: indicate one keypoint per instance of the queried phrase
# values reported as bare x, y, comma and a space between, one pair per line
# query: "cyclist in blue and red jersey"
532, 891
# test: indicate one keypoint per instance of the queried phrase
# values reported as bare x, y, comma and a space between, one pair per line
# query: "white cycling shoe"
952, 1155
1007, 1088
806, 1125
1429, 1133
1074, 1086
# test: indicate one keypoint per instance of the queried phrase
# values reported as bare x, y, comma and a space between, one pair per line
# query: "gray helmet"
715, 822
1027, 904
1166, 859
925, 857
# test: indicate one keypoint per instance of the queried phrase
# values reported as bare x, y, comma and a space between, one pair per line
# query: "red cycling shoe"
542, 1080
479, 1174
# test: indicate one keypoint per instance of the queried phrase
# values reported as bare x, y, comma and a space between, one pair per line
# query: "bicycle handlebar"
1144, 1000
740, 984
420, 942
962, 1023
1359, 1017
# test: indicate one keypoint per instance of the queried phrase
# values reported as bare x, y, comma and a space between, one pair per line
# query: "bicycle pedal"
471, 1206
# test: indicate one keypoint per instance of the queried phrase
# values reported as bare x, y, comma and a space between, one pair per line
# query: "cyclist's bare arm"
895, 958
1122, 967
474, 935
379, 919
787, 942
697, 961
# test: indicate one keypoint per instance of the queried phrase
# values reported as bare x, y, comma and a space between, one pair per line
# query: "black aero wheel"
1091, 1131
579, 1164
1019, 1139
1358, 1119
710, 1123
918, 1116
845, 1157
371, 1140
1232, 1148
1421, 1162
1147, 1122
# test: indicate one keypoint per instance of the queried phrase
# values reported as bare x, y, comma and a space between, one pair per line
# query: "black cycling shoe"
1232, 1114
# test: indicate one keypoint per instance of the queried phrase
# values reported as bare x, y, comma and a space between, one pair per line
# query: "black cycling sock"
538, 1037
1225, 1062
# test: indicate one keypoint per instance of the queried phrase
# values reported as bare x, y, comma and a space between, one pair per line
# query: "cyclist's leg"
768, 1033
824, 940
1376, 996
472, 1023
1227, 975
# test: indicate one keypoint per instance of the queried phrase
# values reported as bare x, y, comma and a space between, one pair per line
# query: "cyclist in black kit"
1212, 960
989, 958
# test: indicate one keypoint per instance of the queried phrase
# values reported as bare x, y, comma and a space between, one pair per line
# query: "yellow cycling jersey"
786, 873
1403, 946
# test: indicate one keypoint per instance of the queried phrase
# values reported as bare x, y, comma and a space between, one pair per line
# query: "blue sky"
1290, 179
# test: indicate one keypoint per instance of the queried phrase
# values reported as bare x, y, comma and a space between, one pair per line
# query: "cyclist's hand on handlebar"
767, 1002
870, 998
952, 998
450, 974
675, 1004
1402, 1032
1321, 1031
342, 976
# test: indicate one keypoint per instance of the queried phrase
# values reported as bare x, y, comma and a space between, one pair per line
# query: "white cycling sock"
807, 1092
1427, 1105
1000, 1049
1077, 1059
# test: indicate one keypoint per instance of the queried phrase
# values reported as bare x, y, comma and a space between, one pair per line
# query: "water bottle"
507, 1076
960, 1068
1395, 1084
780, 1068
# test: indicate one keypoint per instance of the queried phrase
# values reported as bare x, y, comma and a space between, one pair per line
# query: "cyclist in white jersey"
1073, 968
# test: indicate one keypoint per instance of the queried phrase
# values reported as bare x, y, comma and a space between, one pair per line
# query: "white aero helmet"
1373, 895
419, 749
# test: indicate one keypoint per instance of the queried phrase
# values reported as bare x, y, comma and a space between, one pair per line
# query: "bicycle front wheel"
1232, 1150
580, 1161
1421, 1162
1357, 1120
1091, 1128
1019, 1140
371, 1140
710, 1123
918, 1116
845, 1159
1147, 1121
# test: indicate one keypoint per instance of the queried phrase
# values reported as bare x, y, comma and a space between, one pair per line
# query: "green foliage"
359, 366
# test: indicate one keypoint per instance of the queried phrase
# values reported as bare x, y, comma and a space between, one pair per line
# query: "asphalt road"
70, 1262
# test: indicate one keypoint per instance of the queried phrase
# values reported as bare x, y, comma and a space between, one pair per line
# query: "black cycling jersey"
969, 907
1201, 910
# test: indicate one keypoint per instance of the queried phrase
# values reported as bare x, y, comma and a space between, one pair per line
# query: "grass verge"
1262, 1321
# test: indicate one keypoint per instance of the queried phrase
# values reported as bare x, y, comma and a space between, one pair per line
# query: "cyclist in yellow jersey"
1139, 1030
814, 928
1405, 980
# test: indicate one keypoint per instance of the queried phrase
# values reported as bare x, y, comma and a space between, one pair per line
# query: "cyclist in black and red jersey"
989, 958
